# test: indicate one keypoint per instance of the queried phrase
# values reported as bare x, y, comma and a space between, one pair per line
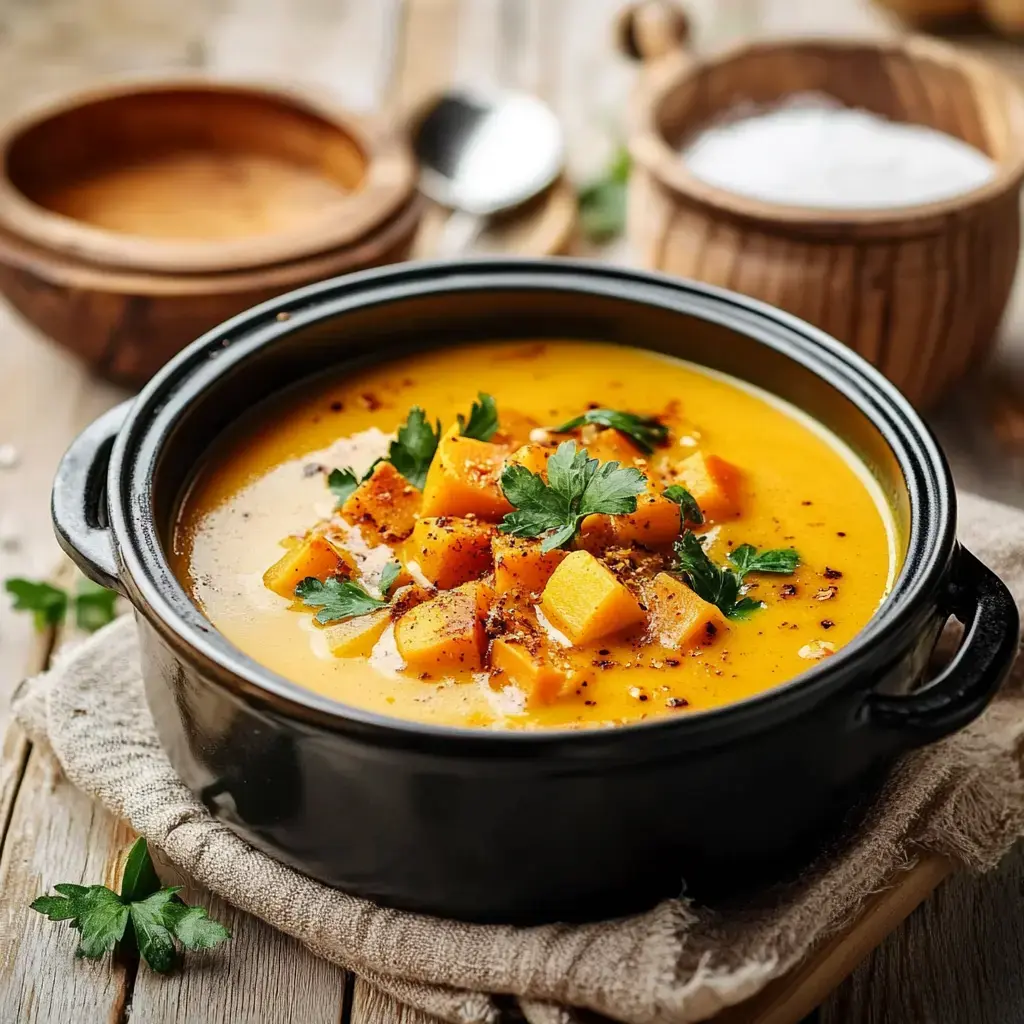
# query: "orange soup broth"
801, 488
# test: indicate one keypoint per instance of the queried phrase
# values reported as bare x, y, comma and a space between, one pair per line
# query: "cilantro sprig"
344, 599
602, 202
720, 584
688, 507
645, 431
483, 418
577, 486
94, 606
153, 920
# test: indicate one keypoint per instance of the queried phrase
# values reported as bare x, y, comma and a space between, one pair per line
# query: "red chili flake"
832, 574
806, 502
827, 623
710, 628
337, 406
840, 533
370, 401
604, 651
787, 589
673, 662
590, 703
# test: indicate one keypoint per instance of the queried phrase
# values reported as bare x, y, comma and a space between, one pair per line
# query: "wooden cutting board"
790, 998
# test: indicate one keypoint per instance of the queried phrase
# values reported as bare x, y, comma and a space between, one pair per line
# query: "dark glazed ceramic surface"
531, 826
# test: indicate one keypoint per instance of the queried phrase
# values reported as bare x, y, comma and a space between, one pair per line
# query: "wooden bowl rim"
61, 270
389, 182
649, 148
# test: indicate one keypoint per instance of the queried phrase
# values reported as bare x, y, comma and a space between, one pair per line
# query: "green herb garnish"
94, 606
413, 449
748, 559
602, 202
342, 483
688, 508
337, 599
144, 915
388, 576
577, 486
644, 431
483, 419
721, 585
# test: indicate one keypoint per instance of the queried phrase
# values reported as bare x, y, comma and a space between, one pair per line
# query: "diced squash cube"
354, 638
534, 457
406, 598
585, 601
713, 482
596, 534
449, 551
446, 632
528, 664
656, 521
613, 446
385, 504
519, 564
678, 617
312, 556
464, 479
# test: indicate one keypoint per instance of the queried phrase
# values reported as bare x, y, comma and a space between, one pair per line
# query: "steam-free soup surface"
786, 486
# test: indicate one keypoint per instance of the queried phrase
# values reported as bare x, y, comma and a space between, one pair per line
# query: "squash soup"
525, 535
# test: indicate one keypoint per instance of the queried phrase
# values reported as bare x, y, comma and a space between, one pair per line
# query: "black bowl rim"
159, 596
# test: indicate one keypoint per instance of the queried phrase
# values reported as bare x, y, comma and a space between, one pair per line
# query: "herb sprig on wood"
721, 584
577, 486
645, 432
93, 606
153, 920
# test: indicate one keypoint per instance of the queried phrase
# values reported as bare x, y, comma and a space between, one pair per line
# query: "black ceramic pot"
524, 826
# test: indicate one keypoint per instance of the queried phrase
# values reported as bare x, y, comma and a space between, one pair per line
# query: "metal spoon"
482, 153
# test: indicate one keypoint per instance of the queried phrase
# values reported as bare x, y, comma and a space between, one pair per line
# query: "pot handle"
78, 501
648, 30
980, 600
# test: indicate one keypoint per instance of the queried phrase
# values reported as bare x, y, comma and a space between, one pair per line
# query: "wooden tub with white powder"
870, 188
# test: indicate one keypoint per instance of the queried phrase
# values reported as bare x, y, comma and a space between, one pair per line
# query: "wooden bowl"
136, 216
918, 290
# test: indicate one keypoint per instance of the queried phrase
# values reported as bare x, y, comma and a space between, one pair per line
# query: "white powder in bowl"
812, 152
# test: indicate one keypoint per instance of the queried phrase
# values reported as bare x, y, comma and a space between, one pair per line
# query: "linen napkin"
677, 963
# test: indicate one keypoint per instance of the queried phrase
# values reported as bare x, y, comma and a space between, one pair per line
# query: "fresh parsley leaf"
413, 449
721, 585
152, 936
144, 914
47, 603
577, 486
644, 431
138, 879
193, 927
388, 576
95, 606
748, 559
602, 202
342, 483
483, 419
688, 507
336, 599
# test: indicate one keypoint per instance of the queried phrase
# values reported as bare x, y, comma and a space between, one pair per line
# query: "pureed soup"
522, 535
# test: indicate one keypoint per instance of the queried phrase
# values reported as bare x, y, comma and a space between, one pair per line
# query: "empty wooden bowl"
918, 290
136, 216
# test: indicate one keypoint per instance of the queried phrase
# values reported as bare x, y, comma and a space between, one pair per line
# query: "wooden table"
955, 961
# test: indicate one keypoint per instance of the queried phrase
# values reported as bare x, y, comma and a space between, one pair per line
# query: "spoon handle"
460, 231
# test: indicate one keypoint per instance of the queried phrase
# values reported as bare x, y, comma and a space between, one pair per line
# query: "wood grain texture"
371, 1006
918, 293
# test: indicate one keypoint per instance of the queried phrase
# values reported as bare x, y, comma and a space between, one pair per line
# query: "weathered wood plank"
370, 1006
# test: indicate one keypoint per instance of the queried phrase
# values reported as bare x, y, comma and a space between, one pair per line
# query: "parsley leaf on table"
577, 486
412, 451
644, 431
602, 202
47, 603
94, 606
151, 917
483, 419
688, 507
721, 585
337, 599
748, 559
